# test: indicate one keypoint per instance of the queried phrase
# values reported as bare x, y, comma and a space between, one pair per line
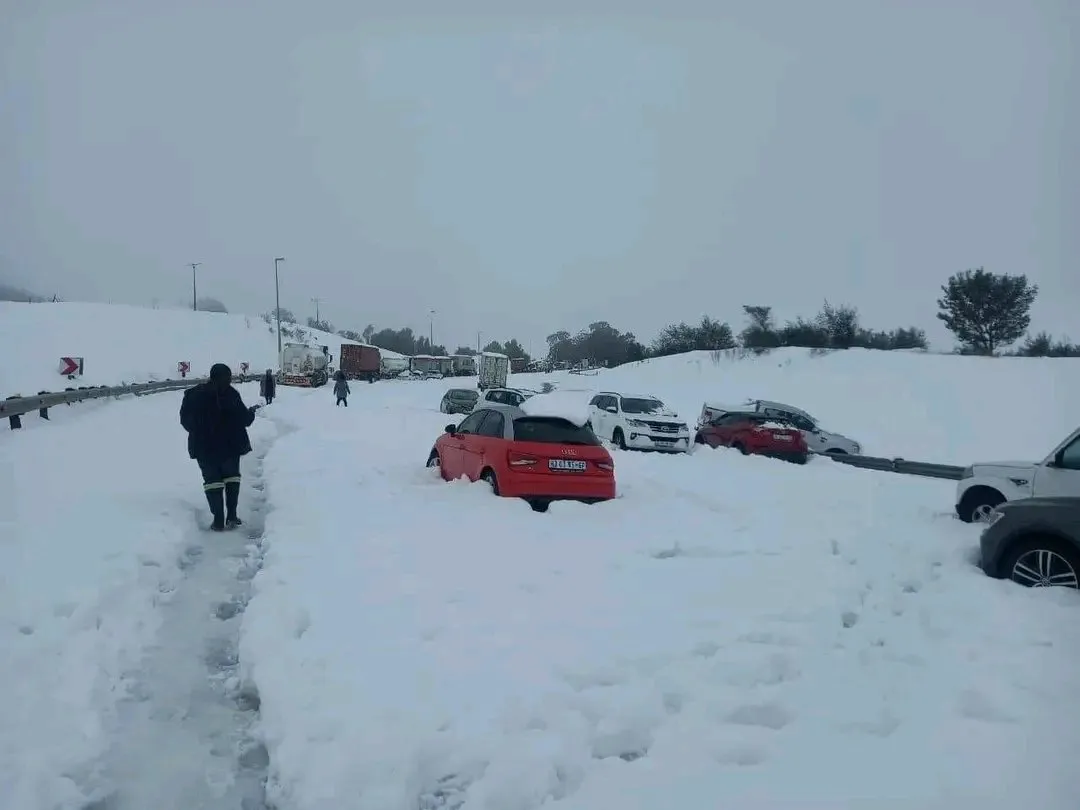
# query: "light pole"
277, 305
431, 331
194, 299
316, 302
478, 334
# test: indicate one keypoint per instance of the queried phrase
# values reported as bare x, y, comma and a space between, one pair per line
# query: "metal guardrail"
898, 465
13, 408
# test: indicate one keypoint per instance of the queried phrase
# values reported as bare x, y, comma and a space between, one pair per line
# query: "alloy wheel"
1042, 568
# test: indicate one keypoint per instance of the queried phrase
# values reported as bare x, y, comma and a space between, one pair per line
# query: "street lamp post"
316, 302
277, 305
194, 298
431, 331
478, 334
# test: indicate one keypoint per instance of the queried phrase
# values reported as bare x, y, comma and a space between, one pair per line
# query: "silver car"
1034, 542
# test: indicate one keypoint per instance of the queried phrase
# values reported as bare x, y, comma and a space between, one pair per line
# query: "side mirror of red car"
451, 429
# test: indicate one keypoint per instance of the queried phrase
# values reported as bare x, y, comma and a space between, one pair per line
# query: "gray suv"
1034, 542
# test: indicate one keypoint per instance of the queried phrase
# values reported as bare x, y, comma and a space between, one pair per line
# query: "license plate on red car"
781, 437
566, 465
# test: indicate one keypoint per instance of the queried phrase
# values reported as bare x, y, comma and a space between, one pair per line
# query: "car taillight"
606, 466
515, 459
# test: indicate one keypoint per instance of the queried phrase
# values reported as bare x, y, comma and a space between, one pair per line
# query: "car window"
492, 426
471, 422
1070, 456
641, 405
595, 402
608, 402
550, 430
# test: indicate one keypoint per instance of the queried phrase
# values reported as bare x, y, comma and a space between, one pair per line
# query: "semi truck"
464, 365
304, 366
518, 364
494, 369
360, 362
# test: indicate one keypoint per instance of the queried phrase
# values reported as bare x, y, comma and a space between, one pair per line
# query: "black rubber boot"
232, 497
216, 499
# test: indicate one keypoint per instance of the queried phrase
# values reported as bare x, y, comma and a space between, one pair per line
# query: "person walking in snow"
341, 389
268, 386
216, 421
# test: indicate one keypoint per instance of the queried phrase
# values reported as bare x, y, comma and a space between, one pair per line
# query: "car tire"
741, 448
1059, 566
433, 461
488, 477
618, 439
977, 503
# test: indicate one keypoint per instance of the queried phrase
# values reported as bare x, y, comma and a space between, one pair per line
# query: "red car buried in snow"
538, 458
755, 433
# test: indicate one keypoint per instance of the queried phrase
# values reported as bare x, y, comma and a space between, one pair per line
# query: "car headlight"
635, 423
967, 473
684, 429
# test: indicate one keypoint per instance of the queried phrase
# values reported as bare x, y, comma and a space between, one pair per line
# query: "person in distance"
216, 421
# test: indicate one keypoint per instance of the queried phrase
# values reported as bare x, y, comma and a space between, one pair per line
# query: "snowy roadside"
96, 514
730, 628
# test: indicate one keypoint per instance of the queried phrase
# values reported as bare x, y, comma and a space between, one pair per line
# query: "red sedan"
754, 433
538, 458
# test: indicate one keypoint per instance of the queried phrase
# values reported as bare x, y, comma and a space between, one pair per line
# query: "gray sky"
522, 173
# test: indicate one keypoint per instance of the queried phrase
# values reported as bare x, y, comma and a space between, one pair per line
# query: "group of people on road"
216, 420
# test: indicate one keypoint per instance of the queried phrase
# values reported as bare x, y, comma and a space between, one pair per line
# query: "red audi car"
538, 458
755, 433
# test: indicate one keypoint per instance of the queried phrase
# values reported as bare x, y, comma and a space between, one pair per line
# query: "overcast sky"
522, 173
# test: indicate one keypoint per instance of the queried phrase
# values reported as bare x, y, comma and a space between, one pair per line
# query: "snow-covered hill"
129, 344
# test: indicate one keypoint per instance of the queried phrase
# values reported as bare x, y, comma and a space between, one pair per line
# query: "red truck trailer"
359, 362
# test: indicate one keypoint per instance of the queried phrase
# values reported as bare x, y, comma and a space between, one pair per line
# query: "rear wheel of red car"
488, 476
434, 460
741, 448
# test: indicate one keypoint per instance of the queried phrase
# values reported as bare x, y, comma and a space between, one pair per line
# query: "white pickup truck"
984, 486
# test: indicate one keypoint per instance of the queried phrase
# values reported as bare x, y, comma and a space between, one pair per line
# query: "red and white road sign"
71, 366
183, 367
244, 368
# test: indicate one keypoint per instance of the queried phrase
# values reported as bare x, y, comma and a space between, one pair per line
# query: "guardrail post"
43, 412
15, 420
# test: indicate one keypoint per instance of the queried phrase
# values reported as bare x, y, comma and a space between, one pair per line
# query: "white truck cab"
817, 438
985, 486
638, 423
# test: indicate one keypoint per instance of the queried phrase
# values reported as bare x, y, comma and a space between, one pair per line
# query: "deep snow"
729, 631
129, 344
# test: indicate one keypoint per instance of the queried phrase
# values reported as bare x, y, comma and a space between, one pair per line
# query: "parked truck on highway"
494, 369
360, 362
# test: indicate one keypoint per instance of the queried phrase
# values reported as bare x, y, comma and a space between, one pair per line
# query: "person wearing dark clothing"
216, 421
341, 389
268, 386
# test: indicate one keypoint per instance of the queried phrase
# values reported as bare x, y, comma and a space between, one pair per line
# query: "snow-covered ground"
730, 631
129, 344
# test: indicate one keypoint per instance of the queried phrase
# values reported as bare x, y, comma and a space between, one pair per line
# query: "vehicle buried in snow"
753, 433
986, 485
818, 440
458, 400
1035, 542
504, 396
639, 422
537, 457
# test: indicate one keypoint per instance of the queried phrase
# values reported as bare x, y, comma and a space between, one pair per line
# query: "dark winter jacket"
341, 388
216, 421
267, 385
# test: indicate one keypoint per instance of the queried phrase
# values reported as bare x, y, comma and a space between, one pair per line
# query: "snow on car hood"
571, 406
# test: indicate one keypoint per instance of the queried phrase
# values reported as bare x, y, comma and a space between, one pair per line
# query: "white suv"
984, 486
503, 396
638, 423
817, 438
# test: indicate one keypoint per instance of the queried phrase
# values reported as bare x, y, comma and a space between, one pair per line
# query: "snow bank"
940, 408
568, 405
731, 631
128, 344
94, 516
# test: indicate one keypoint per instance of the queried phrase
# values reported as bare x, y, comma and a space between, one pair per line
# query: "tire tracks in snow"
184, 736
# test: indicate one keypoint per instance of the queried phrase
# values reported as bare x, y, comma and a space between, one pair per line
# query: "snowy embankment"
729, 630
124, 344
97, 519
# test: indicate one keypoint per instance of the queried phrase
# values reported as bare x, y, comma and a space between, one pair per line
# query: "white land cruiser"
638, 423
984, 486
817, 438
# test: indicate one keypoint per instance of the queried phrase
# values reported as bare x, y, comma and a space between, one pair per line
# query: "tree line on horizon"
987, 313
